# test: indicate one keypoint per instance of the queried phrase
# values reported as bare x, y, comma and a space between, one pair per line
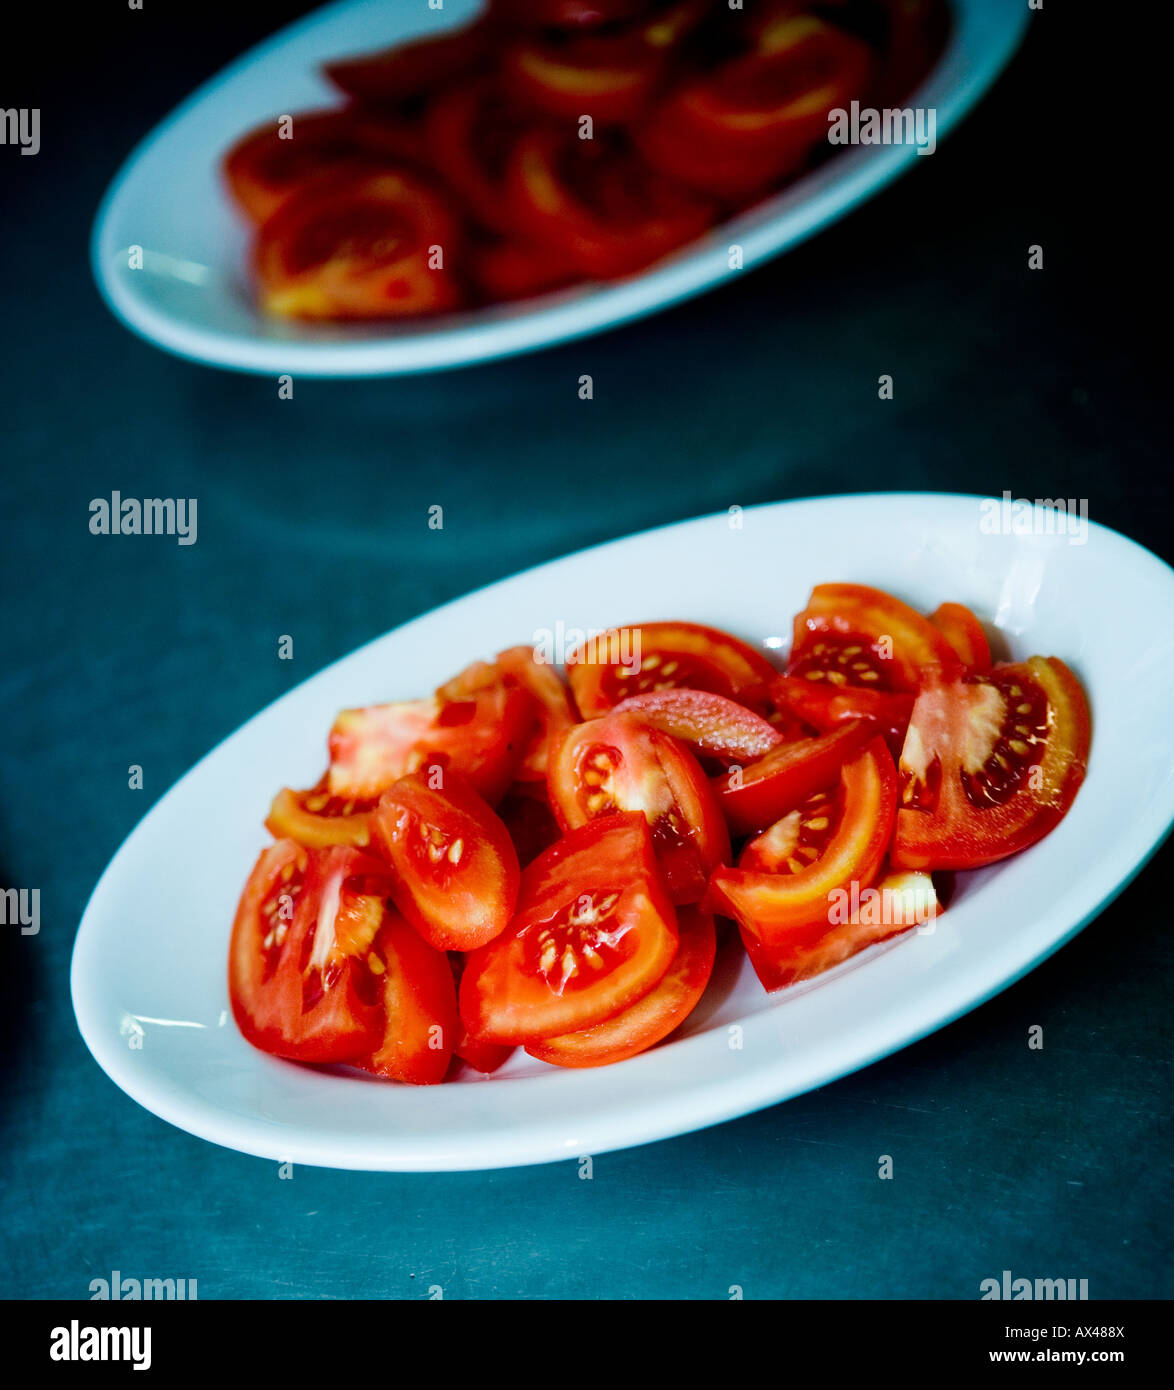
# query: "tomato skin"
554, 707
753, 797
712, 725
410, 70
317, 1012
965, 634
827, 707
514, 268
419, 1009
485, 1057
949, 720
666, 655
619, 763
716, 135
454, 867
785, 917
578, 194
291, 817
481, 735
604, 871
612, 78
358, 245
652, 1018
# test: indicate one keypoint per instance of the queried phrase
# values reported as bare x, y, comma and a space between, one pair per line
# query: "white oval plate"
150, 959
192, 296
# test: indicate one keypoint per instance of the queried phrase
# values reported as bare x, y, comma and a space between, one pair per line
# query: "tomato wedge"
610, 211
783, 892
594, 931
608, 77
554, 708
299, 978
712, 725
407, 71
516, 268
990, 765
419, 998
454, 868
965, 634
359, 245
619, 763
758, 117
482, 736
756, 796
826, 707
628, 661
317, 819
652, 1018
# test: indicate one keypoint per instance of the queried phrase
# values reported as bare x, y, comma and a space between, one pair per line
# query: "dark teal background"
1051, 1164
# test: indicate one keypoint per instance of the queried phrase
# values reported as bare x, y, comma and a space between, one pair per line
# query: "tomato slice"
454, 868
965, 634
516, 268
610, 211
482, 737
419, 998
484, 1057
317, 819
756, 796
712, 725
783, 891
407, 71
619, 763
299, 977
610, 77
526, 813
594, 931
652, 1018
470, 132
757, 118
991, 764
826, 706
897, 903
554, 708
359, 245
628, 661
273, 161
566, 14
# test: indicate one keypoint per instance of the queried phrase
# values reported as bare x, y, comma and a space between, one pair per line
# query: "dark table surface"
1052, 1163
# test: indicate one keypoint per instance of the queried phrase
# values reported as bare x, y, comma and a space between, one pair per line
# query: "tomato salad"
551, 142
522, 861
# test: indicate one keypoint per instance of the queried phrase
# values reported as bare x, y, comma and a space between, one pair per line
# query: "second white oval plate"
191, 294
149, 964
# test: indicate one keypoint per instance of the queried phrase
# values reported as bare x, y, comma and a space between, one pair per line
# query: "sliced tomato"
317, 819
271, 162
360, 245
619, 763
484, 1057
471, 131
517, 267
826, 706
853, 635
712, 725
554, 708
526, 813
566, 14
299, 978
896, 903
608, 77
965, 634
756, 796
784, 891
991, 764
610, 212
628, 661
419, 998
662, 1010
482, 737
758, 117
454, 867
407, 71
594, 931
